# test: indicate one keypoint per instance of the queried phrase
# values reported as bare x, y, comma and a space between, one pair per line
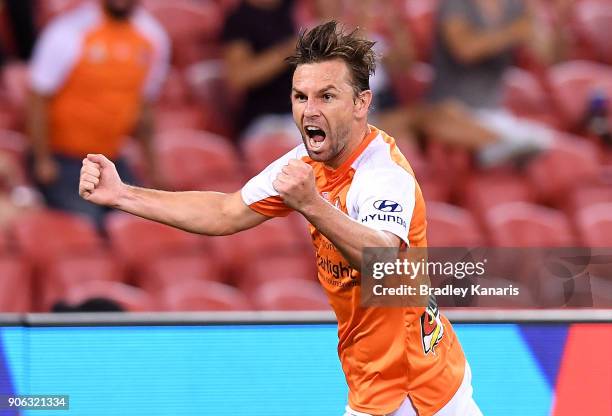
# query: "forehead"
320, 74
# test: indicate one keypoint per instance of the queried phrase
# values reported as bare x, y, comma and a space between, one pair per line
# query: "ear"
362, 104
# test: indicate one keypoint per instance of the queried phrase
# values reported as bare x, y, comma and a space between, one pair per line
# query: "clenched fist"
100, 182
296, 185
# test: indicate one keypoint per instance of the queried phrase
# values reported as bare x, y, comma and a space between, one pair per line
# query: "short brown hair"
326, 42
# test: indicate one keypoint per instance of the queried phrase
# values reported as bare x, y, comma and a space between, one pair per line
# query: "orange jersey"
386, 353
97, 72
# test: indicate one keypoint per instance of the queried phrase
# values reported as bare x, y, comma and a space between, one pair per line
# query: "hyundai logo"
385, 205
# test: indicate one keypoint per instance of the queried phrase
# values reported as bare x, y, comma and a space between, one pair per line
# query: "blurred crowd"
501, 106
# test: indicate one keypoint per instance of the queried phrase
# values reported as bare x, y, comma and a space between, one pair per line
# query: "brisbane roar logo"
432, 328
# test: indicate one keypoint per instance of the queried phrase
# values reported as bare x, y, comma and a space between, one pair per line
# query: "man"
334, 179
258, 35
475, 43
94, 74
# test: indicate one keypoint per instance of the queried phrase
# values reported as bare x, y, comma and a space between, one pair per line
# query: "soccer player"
396, 362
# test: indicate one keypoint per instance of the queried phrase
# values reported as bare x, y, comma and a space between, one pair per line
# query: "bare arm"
296, 185
45, 169
209, 213
245, 69
144, 134
349, 236
469, 45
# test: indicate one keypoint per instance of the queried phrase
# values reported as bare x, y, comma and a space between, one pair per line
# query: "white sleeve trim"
260, 186
383, 199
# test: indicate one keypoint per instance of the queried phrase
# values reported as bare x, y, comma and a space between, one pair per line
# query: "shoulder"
382, 155
69, 25
150, 27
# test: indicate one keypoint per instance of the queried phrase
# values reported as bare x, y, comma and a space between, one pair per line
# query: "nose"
311, 109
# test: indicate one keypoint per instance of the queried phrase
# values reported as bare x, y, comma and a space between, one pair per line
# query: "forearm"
144, 134
37, 127
261, 67
349, 236
197, 212
471, 46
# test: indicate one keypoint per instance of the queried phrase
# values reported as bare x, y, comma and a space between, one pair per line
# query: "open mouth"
316, 136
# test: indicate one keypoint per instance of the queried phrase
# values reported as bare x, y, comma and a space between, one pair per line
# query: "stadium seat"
271, 267
484, 191
525, 96
199, 295
46, 234
572, 82
595, 225
420, 19
137, 241
550, 173
412, 85
592, 20
583, 197
290, 295
164, 271
191, 25
261, 151
131, 299
65, 272
15, 280
191, 159
451, 226
522, 224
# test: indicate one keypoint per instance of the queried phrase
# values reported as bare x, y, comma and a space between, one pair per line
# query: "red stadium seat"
43, 235
191, 159
451, 226
191, 25
199, 295
521, 224
525, 96
270, 268
163, 272
136, 241
595, 225
589, 195
15, 280
131, 299
261, 151
485, 191
65, 272
421, 16
412, 85
290, 295
551, 176
592, 20
572, 83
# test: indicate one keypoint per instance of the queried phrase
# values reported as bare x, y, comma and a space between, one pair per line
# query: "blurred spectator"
98, 304
94, 75
19, 16
258, 36
475, 42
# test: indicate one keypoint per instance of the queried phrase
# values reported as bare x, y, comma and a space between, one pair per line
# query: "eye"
299, 97
327, 97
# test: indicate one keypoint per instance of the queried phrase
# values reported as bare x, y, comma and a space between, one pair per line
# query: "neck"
352, 144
